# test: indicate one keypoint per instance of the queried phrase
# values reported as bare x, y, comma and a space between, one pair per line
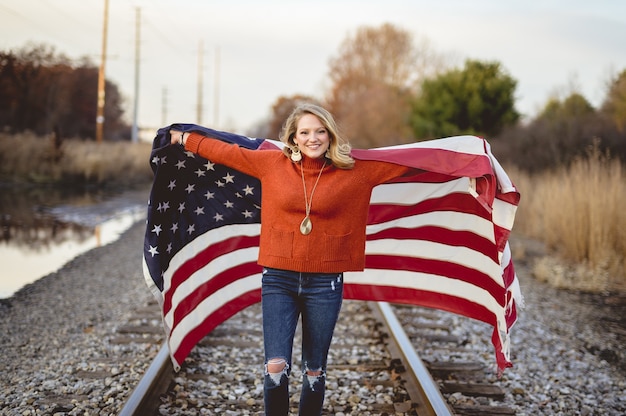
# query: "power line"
160, 34
13, 12
66, 15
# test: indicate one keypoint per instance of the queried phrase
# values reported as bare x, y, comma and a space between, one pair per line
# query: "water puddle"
43, 229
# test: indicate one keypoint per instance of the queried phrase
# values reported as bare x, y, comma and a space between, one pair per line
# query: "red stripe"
501, 236
438, 268
508, 275
512, 198
501, 359
455, 202
434, 160
203, 258
444, 236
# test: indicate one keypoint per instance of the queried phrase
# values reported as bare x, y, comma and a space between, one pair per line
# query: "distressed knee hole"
275, 368
314, 377
276, 365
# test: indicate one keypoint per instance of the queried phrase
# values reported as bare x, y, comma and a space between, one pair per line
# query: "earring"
296, 156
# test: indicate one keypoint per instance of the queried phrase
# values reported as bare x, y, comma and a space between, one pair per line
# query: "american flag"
438, 239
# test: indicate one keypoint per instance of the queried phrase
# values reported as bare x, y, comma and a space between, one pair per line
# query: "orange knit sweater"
338, 212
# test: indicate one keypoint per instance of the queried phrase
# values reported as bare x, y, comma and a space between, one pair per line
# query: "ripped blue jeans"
286, 296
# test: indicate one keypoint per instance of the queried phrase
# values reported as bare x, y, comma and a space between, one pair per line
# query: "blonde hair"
339, 149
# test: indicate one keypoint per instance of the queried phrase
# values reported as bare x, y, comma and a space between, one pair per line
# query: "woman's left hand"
176, 136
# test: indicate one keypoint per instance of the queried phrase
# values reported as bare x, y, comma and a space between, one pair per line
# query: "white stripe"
435, 251
504, 182
460, 144
503, 214
411, 193
150, 282
211, 304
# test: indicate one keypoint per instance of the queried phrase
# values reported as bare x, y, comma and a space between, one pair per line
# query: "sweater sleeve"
381, 172
248, 161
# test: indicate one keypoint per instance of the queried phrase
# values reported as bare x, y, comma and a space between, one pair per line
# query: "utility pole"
135, 130
164, 106
200, 87
216, 89
101, 76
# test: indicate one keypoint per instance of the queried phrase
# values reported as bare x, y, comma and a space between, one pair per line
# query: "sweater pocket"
281, 243
337, 247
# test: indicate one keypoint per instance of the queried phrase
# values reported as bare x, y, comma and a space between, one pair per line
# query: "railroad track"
373, 367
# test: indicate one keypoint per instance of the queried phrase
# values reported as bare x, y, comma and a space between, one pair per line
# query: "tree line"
387, 88
45, 92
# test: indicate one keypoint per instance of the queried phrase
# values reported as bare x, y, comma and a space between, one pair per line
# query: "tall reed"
578, 211
32, 159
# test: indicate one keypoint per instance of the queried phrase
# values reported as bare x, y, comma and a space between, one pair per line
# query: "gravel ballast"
57, 358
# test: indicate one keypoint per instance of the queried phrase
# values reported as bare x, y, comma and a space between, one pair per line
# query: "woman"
315, 200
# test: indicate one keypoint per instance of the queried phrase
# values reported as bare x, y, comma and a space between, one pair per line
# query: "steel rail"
429, 391
144, 399
154, 382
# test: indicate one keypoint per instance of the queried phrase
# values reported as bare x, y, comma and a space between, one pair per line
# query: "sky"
245, 54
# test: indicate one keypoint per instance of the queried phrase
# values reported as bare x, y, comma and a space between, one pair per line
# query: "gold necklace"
305, 225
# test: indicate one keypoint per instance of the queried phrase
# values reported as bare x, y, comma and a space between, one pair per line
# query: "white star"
191, 229
209, 194
190, 154
163, 162
209, 165
155, 160
229, 178
153, 251
181, 164
157, 229
248, 190
228, 204
218, 217
199, 210
169, 248
174, 227
181, 207
200, 172
166, 205
220, 184
247, 214
172, 185
190, 188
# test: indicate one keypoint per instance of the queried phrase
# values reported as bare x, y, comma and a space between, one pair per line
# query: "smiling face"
312, 136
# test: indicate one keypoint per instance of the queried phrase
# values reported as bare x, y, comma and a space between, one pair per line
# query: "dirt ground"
604, 310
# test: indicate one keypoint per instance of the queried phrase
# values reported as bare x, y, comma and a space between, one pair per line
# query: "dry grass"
35, 159
578, 211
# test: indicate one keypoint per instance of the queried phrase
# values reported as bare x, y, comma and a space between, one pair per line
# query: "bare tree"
45, 92
372, 79
282, 108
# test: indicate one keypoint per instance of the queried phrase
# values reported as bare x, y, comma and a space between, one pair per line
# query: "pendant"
306, 226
